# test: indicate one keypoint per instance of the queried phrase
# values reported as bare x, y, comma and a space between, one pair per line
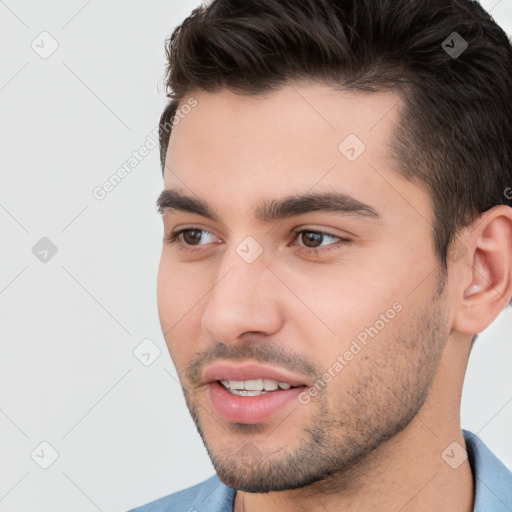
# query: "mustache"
258, 351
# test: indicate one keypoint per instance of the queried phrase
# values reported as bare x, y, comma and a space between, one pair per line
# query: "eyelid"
174, 238
322, 250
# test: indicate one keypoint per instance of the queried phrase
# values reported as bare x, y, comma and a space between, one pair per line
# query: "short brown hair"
454, 136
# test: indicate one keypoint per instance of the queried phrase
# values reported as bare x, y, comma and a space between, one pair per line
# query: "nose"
245, 298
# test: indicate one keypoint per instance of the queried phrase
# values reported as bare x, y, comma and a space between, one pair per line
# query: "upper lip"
249, 371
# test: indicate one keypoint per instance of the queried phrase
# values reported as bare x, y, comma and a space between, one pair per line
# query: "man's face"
352, 319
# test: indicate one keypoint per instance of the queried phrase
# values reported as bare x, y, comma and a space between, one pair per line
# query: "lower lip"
250, 409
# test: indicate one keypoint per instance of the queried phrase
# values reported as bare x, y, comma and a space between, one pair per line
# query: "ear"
486, 285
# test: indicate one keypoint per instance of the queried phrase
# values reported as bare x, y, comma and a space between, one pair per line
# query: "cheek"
179, 288
337, 301
371, 359
180, 296
346, 319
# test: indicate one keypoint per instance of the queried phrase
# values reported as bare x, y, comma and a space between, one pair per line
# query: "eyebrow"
273, 209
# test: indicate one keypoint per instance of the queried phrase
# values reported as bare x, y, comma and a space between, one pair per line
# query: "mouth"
251, 393
254, 387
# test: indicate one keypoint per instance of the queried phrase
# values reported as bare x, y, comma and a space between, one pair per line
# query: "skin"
374, 437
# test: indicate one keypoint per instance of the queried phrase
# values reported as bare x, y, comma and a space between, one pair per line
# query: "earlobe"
488, 288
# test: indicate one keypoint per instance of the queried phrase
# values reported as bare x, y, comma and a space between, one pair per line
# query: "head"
347, 170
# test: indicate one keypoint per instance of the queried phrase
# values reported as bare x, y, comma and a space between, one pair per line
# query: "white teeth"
270, 385
253, 387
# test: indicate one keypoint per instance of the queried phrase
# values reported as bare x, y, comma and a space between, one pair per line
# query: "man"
338, 228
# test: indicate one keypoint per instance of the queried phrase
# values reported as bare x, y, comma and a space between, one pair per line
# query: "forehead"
299, 113
233, 148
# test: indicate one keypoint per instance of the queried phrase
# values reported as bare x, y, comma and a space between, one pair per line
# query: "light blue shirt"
493, 487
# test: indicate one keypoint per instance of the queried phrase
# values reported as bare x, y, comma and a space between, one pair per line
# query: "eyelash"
173, 238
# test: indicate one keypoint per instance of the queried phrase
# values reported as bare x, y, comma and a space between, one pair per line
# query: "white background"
69, 326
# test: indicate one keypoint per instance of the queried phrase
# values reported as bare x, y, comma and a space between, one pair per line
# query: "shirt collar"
493, 481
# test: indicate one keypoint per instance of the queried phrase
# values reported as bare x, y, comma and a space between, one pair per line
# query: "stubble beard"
384, 399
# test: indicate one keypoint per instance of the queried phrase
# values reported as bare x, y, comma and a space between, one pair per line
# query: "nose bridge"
243, 297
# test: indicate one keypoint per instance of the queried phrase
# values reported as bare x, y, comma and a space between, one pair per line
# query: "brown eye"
311, 238
314, 239
189, 239
317, 243
191, 236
